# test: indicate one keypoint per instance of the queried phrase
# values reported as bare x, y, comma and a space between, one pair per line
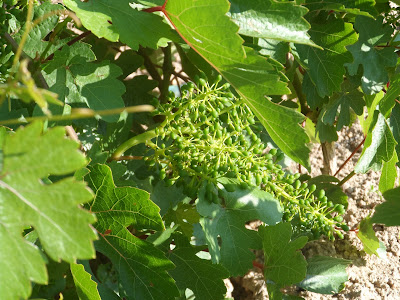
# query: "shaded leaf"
274, 49
76, 80
348, 100
142, 268
355, 7
325, 275
52, 209
203, 277
326, 67
118, 20
374, 61
228, 222
214, 36
271, 20
388, 212
283, 263
185, 215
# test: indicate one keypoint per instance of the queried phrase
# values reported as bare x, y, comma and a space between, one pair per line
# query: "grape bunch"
209, 133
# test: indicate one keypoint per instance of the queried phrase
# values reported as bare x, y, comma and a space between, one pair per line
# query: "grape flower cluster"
209, 133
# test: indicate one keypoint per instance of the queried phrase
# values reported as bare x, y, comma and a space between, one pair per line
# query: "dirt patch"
370, 277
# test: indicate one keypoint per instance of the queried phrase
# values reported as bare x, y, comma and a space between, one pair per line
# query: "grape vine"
146, 151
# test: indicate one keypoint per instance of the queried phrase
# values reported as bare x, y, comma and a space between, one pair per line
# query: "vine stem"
351, 155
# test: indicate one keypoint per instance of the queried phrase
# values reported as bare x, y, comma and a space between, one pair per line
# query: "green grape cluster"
209, 133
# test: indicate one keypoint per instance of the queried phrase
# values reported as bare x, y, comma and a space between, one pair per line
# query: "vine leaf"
142, 268
184, 215
379, 145
271, 20
326, 67
203, 277
36, 41
367, 236
374, 61
77, 80
389, 174
325, 275
284, 264
395, 124
252, 76
388, 101
118, 20
347, 100
86, 288
228, 222
388, 212
52, 209
364, 8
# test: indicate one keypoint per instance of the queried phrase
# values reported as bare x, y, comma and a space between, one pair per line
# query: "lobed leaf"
283, 263
203, 277
142, 268
326, 67
228, 223
365, 54
52, 209
119, 20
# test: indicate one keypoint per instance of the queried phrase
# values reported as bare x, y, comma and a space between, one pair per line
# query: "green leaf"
85, 286
283, 263
167, 197
118, 20
52, 209
77, 81
325, 132
142, 268
273, 48
355, 7
348, 100
326, 67
214, 36
378, 147
314, 100
388, 212
271, 20
325, 275
389, 100
228, 223
373, 60
203, 277
395, 124
185, 215
36, 42
367, 236
389, 174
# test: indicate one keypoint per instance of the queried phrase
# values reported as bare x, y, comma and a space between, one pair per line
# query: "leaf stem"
81, 113
347, 178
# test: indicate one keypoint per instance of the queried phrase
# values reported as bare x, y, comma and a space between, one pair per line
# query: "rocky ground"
370, 277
